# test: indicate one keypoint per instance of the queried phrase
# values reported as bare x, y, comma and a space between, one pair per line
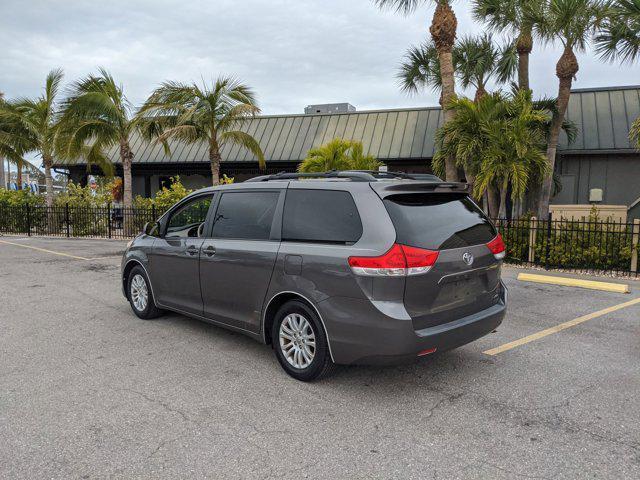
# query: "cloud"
292, 52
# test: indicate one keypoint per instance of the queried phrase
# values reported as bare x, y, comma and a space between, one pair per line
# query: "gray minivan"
333, 268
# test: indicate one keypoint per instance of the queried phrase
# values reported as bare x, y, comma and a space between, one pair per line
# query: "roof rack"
353, 176
408, 176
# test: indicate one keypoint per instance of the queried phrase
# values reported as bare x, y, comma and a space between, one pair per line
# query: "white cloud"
292, 52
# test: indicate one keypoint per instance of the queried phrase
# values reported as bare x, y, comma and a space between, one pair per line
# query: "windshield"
438, 221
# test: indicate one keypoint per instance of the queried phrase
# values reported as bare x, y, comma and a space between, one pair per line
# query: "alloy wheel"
297, 340
139, 292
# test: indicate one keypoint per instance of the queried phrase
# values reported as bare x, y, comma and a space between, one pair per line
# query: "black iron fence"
583, 245
74, 221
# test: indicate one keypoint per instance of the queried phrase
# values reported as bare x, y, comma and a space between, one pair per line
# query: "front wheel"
140, 295
300, 342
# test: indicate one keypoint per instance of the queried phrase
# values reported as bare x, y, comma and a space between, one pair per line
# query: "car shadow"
442, 372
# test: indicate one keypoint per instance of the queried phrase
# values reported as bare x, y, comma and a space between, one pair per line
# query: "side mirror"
152, 229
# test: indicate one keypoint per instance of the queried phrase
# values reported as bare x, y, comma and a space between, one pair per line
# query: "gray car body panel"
367, 319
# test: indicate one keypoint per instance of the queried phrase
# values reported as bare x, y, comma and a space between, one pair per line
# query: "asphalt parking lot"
90, 391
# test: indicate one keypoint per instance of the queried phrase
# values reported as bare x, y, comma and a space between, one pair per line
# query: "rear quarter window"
322, 216
438, 221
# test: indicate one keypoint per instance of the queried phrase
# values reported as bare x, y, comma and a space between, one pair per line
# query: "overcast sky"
292, 52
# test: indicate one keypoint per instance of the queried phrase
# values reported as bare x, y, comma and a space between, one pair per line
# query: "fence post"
66, 218
28, 220
548, 245
109, 217
634, 245
533, 234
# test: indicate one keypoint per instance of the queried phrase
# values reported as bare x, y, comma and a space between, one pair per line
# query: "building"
600, 158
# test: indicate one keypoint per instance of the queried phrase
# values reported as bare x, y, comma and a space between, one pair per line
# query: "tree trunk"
523, 71
3, 179
492, 204
566, 69
532, 198
48, 179
471, 180
502, 212
19, 174
480, 92
524, 46
214, 159
448, 92
126, 157
443, 31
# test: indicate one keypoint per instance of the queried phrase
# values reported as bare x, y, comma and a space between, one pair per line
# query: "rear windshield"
438, 221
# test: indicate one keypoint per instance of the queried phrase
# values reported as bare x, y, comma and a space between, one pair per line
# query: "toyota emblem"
468, 258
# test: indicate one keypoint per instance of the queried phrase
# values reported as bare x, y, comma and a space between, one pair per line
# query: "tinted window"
246, 215
326, 216
186, 220
438, 221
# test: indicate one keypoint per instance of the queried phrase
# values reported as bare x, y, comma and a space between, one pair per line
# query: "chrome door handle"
210, 251
192, 251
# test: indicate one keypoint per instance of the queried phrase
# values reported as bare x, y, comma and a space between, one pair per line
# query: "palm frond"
618, 37
330, 156
634, 133
404, 7
246, 141
191, 113
420, 69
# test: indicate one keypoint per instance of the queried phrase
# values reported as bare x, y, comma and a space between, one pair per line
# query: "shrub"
13, 210
14, 198
164, 198
593, 244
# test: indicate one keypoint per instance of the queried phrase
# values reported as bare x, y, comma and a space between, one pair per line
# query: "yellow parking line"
44, 250
559, 328
574, 282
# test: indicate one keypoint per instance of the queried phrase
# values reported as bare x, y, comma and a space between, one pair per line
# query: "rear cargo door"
466, 276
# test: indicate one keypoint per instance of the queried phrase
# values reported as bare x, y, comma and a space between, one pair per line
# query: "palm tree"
359, 161
96, 117
634, 133
500, 139
209, 114
517, 17
333, 155
571, 23
38, 121
477, 60
515, 154
15, 139
443, 33
619, 35
3, 181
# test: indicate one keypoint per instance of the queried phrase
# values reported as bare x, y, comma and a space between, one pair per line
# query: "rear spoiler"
386, 189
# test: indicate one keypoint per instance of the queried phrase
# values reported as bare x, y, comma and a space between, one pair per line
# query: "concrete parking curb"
575, 282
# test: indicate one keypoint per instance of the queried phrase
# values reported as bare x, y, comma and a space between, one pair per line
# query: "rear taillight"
497, 247
419, 260
398, 261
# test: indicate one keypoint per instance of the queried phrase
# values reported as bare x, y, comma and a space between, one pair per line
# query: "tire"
301, 324
139, 283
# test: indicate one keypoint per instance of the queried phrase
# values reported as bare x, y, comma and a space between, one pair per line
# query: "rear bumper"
376, 339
